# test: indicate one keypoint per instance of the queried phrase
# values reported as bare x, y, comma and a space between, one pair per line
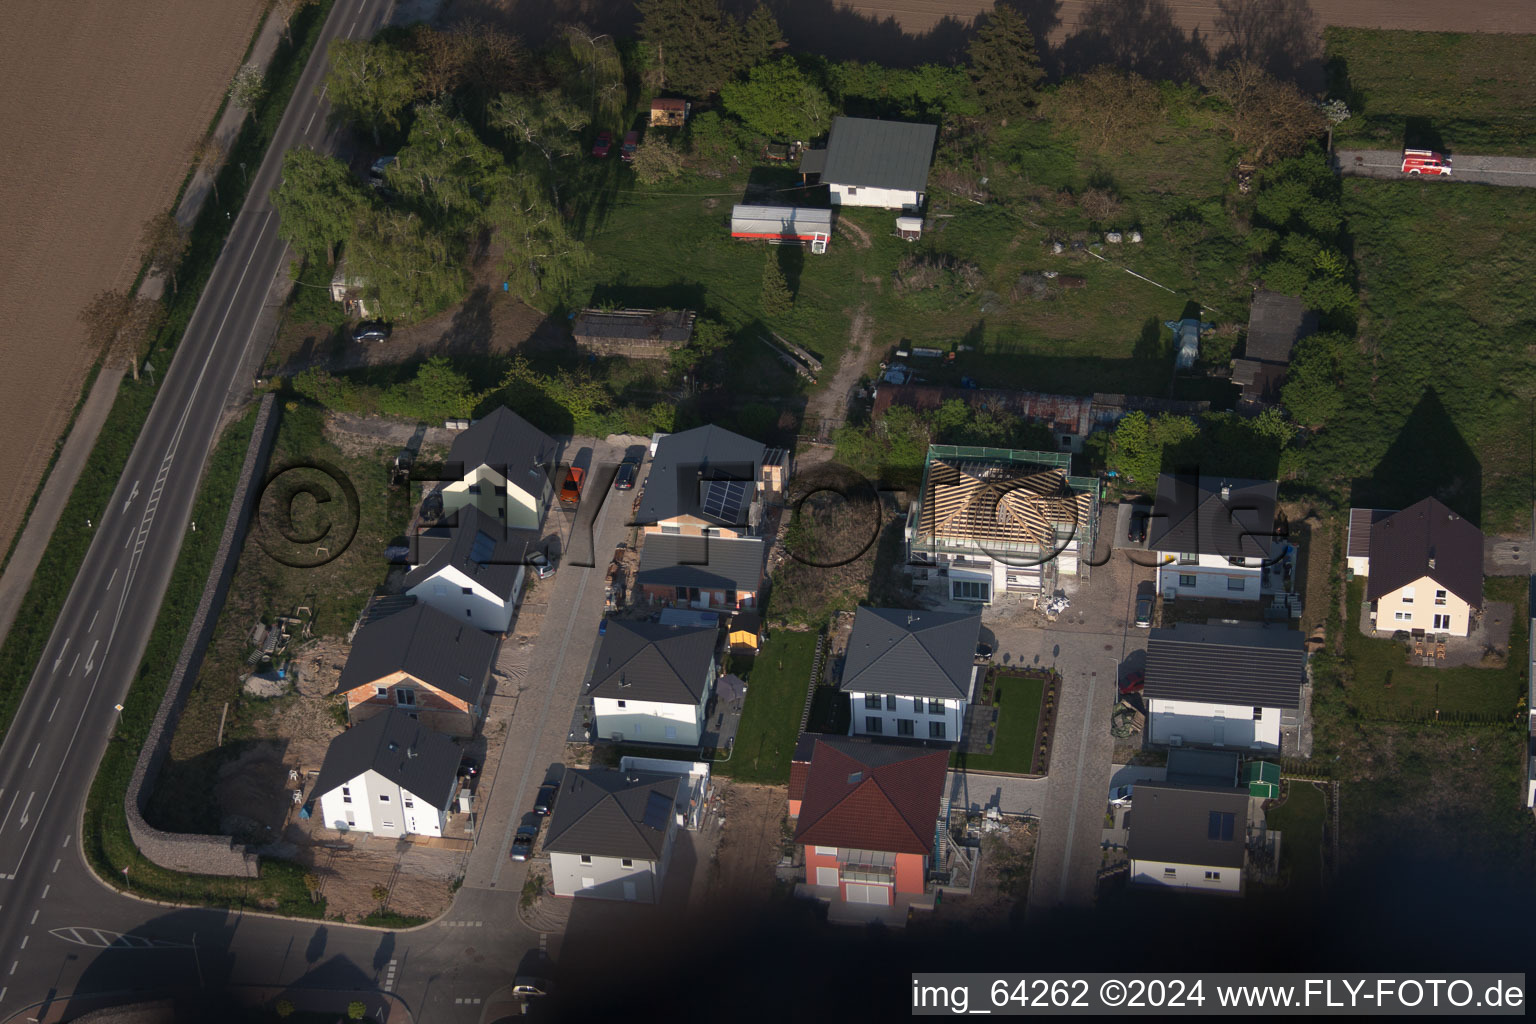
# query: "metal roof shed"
1262, 779
785, 223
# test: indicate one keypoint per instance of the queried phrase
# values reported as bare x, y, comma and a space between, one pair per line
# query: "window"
1170, 872
1213, 876
903, 727
440, 589
935, 707
671, 528
1236, 583
826, 851
1186, 579
586, 858
468, 590
626, 862
1442, 622
500, 492
890, 702
872, 724
935, 730
1188, 558
1066, 440
351, 818
970, 590
405, 697
671, 732
622, 704
381, 691
1402, 616
853, 190
383, 798
346, 794
1258, 714
872, 702
474, 489
409, 803
1221, 827
1439, 597
1407, 595
386, 824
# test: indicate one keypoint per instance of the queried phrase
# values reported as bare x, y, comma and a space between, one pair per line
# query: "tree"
1004, 67
412, 270
210, 155
283, 1008
444, 170
760, 36
657, 161
249, 88
443, 58
777, 299
1267, 118
356, 1010
317, 203
696, 47
709, 338
777, 100
311, 884
286, 10
1109, 106
121, 326
371, 84
538, 252
163, 242
380, 894
600, 72
546, 123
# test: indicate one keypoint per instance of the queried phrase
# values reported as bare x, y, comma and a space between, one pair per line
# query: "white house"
1188, 837
867, 162
651, 682
503, 466
388, 775
1223, 685
477, 577
910, 674
989, 521
612, 832
1217, 538
1425, 570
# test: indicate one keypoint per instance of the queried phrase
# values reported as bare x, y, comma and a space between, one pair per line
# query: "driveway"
1483, 170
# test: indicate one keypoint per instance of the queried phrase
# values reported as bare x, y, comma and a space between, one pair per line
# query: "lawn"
1018, 700
770, 723
1301, 819
1386, 686
1469, 93
1436, 396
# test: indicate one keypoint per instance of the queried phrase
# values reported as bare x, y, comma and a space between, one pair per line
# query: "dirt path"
103, 102
828, 408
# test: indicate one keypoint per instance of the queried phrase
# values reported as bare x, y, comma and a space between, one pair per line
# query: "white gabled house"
1223, 686
1217, 537
612, 832
1424, 569
388, 775
479, 574
910, 674
503, 466
869, 162
651, 682
1188, 837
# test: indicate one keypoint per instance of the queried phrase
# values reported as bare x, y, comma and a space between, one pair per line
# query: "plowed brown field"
101, 103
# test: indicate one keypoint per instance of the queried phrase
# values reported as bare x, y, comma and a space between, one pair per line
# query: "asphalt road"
1483, 170
64, 937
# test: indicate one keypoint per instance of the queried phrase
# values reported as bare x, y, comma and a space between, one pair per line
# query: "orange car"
570, 487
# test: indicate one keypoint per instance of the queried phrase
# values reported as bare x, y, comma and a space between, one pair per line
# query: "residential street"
1483, 170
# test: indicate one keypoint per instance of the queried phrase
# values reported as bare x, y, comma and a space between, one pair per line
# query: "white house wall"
649, 721
953, 717
398, 813
480, 607
519, 507
1396, 610
1209, 578
1215, 725
1186, 876
603, 878
881, 198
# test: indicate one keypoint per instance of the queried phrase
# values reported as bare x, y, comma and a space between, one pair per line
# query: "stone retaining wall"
196, 854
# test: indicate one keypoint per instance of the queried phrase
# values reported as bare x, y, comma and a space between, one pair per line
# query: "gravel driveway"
1483, 170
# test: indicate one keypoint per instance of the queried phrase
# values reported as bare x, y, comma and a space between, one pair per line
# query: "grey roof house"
502, 464
612, 832
707, 476
910, 673
1276, 323
708, 572
389, 775
634, 333
478, 574
870, 162
1212, 515
1189, 837
1221, 685
651, 681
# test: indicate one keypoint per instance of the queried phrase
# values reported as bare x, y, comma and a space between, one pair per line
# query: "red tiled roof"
872, 796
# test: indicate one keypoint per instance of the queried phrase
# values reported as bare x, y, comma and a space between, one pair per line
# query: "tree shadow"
1284, 37
677, 295
1151, 344
1429, 458
792, 264
838, 32
1135, 35
1422, 133
471, 329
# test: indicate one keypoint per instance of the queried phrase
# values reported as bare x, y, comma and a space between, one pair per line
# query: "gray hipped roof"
452, 656
706, 563
509, 444
602, 812
1261, 666
398, 747
653, 662
879, 154
911, 653
482, 549
1174, 824
1190, 515
685, 462
1426, 539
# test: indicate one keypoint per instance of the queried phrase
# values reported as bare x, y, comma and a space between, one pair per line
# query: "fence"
810, 689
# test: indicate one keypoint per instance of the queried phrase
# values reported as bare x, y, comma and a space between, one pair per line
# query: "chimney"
1226, 491
1431, 563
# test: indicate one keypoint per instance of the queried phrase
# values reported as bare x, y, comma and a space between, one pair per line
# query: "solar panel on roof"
657, 809
723, 498
480, 552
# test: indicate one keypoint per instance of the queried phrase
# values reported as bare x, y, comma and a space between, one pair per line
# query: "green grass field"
1300, 820
1470, 93
770, 721
1018, 701
1437, 394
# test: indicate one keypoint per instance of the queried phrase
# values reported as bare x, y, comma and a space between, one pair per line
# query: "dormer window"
1440, 597
1189, 558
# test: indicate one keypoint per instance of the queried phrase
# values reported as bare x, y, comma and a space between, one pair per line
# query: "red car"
631, 143
604, 145
1134, 682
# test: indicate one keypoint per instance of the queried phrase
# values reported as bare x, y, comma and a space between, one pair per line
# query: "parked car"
1137, 532
570, 487
1121, 794
543, 568
468, 767
1143, 613
371, 330
629, 472
544, 803
1134, 682
528, 987
522, 842
983, 652
377, 171
603, 146
631, 143
1425, 161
